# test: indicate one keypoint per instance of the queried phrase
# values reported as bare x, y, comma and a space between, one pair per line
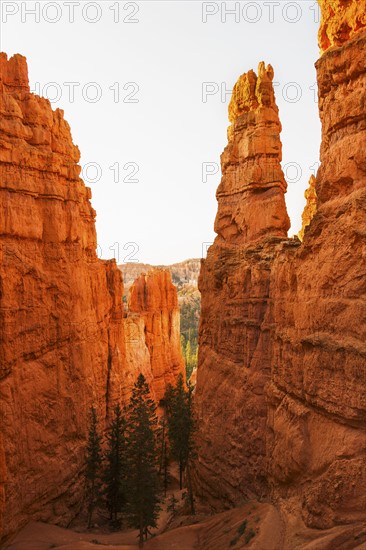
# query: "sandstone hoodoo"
153, 297
184, 276
65, 340
310, 207
250, 196
281, 376
234, 353
317, 396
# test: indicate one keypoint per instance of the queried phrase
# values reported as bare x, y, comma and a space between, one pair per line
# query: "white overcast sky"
149, 62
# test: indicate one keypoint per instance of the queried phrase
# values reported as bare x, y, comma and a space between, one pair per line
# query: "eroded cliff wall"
66, 341
281, 379
62, 343
317, 396
153, 298
234, 353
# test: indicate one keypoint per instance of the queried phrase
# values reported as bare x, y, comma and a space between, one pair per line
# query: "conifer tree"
164, 455
181, 427
115, 470
93, 466
143, 460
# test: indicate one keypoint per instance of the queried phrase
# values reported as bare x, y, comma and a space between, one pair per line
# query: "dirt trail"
254, 526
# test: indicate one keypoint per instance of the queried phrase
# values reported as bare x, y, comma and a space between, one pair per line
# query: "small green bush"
242, 527
250, 534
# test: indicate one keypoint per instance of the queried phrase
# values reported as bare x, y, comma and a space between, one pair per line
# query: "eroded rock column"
235, 351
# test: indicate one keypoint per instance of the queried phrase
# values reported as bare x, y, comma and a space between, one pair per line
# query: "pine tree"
115, 470
93, 466
172, 506
143, 460
181, 427
164, 455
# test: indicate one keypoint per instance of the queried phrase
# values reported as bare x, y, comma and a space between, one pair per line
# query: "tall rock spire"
251, 202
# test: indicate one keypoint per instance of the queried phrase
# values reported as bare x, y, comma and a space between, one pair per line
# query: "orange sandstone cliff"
62, 342
234, 354
66, 343
317, 398
153, 298
280, 389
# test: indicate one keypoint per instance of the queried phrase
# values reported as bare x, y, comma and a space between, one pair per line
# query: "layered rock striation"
153, 298
62, 341
66, 343
310, 207
234, 353
250, 196
317, 396
281, 378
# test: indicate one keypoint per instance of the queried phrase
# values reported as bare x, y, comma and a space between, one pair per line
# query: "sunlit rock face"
250, 196
234, 354
66, 341
310, 207
280, 389
317, 395
340, 21
154, 298
62, 343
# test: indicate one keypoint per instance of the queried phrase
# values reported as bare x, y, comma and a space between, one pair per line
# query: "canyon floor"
273, 530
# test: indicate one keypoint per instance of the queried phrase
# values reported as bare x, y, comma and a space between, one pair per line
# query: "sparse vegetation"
172, 506
181, 428
128, 473
93, 466
115, 472
241, 530
249, 536
189, 322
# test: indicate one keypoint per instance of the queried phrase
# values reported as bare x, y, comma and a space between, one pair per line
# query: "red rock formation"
341, 20
310, 207
234, 355
62, 342
281, 378
318, 399
65, 343
251, 193
154, 298
184, 274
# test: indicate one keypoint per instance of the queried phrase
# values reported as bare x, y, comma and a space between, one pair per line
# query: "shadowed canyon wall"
280, 391
66, 342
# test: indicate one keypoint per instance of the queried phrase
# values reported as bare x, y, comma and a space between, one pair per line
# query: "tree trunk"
90, 513
180, 475
91, 505
190, 490
141, 535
